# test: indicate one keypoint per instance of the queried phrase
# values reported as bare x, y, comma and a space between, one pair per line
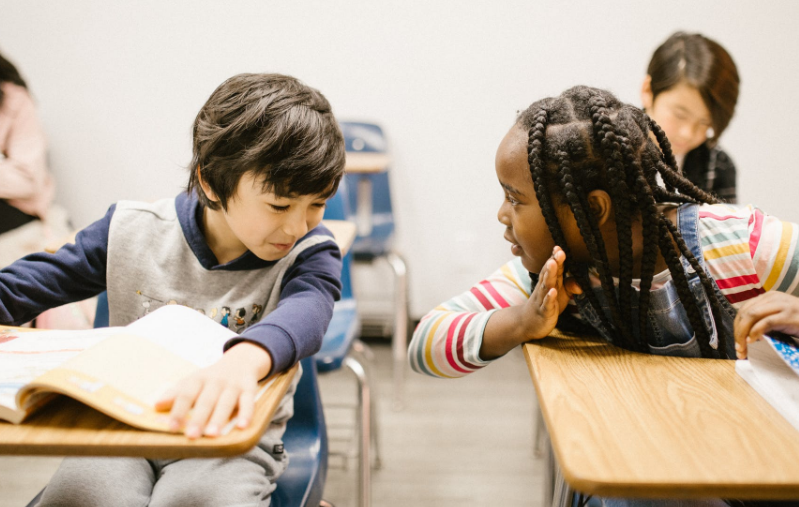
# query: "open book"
773, 371
120, 371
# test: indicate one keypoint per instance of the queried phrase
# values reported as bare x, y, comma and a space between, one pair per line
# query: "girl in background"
690, 90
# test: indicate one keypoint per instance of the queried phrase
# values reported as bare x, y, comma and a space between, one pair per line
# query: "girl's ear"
210, 194
647, 98
601, 206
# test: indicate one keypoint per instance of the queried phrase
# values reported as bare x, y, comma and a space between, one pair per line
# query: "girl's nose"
502, 214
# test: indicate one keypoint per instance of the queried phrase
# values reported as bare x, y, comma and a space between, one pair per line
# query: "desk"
634, 425
66, 427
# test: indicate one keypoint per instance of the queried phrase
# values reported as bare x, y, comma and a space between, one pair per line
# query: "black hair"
586, 140
9, 74
272, 125
704, 64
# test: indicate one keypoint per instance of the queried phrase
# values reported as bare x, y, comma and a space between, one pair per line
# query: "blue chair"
370, 201
305, 439
340, 347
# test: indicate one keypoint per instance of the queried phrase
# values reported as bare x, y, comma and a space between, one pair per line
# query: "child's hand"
549, 298
217, 391
772, 311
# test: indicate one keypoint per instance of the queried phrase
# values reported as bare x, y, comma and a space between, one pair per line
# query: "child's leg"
89, 482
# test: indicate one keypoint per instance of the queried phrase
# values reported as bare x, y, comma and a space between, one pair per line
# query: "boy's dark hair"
585, 140
703, 64
273, 125
10, 74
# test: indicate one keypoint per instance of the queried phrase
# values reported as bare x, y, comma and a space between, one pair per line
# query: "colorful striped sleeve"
447, 341
749, 252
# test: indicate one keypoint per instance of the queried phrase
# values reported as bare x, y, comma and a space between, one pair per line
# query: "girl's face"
526, 229
682, 114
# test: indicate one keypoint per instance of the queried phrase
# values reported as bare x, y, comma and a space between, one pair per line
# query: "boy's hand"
549, 298
772, 311
214, 393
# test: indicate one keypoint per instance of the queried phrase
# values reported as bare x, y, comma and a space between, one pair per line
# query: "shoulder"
721, 159
162, 209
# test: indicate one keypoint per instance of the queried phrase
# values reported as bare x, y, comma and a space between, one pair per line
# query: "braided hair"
586, 140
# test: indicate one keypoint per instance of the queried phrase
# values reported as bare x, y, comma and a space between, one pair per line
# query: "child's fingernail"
193, 432
242, 423
211, 430
174, 425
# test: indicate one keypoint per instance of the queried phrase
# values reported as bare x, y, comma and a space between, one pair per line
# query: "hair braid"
607, 133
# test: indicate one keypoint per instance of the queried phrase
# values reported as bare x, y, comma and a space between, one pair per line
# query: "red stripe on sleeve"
483, 300
744, 295
450, 334
494, 294
737, 281
460, 342
754, 236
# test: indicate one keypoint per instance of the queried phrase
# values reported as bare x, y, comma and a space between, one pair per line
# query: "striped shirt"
747, 252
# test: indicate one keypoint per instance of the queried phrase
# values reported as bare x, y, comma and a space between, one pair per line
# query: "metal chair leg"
556, 492
365, 404
399, 342
362, 350
539, 438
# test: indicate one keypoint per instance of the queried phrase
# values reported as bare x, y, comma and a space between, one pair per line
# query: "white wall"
119, 83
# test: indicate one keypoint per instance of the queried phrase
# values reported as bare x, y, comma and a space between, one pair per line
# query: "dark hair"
703, 64
585, 140
10, 74
273, 125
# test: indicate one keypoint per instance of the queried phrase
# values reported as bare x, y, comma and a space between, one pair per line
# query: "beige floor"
465, 442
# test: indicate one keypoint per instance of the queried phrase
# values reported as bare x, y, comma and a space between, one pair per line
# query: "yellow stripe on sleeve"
428, 347
724, 251
782, 254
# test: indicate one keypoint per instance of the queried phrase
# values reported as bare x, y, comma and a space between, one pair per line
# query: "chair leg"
362, 350
399, 342
365, 404
540, 435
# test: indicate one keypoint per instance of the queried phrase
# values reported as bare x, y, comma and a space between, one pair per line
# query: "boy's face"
261, 222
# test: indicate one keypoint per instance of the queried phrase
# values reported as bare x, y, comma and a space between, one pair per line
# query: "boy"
267, 153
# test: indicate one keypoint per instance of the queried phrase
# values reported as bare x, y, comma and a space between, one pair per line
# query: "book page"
773, 371
26, 355
123, 375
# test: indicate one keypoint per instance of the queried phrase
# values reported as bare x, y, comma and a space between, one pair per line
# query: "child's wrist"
250, 355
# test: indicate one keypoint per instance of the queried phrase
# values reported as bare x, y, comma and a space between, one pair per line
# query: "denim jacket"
669, 331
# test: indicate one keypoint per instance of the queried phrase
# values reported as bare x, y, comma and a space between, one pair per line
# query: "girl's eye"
511, 200
279, 209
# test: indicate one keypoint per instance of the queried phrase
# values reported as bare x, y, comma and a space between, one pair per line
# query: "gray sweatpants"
246, 480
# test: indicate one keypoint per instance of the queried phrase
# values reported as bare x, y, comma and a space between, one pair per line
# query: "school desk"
624, 424
66, 427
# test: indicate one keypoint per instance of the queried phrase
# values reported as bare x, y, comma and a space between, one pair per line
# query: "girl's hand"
216, 392
772, 311
549, 298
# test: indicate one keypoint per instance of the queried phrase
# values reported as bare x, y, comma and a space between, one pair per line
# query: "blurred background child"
690, 90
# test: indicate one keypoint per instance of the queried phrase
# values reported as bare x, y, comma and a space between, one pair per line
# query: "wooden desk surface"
635, 425
65, 427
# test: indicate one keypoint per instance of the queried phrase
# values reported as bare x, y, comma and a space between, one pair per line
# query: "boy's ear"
210, 194
601, 206
647, 98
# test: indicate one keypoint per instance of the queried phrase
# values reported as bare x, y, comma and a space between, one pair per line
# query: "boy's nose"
296, 226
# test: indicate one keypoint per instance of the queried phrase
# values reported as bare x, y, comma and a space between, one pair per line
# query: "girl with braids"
609, 236
690, 90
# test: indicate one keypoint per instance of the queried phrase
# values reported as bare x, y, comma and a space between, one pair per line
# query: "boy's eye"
319, 204
279, 209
